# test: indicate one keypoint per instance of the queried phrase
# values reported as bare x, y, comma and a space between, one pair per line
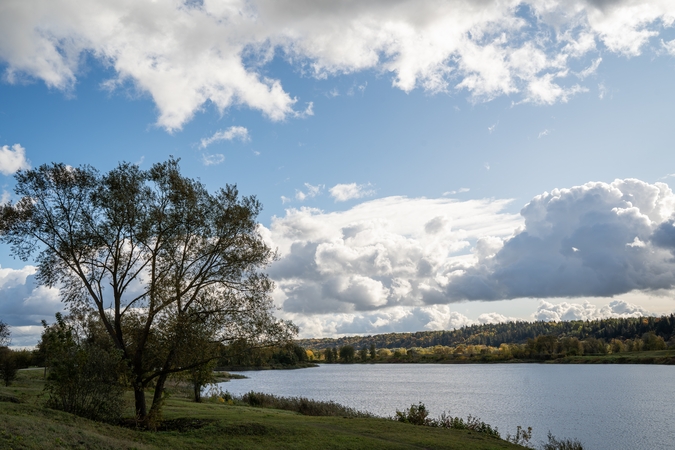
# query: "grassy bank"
653, 357
210, 425
666, 357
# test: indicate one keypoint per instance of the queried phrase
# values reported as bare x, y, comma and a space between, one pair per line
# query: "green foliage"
169, 268
653, 342
242, 354
83, 376
301, 405
8, 365
493, 335
347, 354
418, 415
328, 355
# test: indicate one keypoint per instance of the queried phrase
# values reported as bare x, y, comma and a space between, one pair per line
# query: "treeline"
541, 348
494, 335
240, 355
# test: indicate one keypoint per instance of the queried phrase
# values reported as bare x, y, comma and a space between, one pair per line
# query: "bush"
8, 365
84, 381
418, 415
301, 405
522, 436
564, 444
83, 377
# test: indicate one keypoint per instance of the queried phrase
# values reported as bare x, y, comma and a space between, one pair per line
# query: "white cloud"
380, 253
229, 134
599, 239
212, 159
458, 191
669, 46
311, 192
543, 134
587, 311
188, 54
595, 240
13, 159
5, 197
344, 192
590, 70
23, 304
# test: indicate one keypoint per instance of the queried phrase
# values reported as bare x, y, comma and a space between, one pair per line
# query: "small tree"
8, 365
347, 353
199, 377
84, 371
154, 255
363, 354
328, 355
373, 351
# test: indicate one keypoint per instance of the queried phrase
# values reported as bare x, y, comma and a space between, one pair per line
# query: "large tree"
165, 265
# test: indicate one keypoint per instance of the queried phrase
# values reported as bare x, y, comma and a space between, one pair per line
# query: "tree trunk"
198, 391
157, 398
139, 397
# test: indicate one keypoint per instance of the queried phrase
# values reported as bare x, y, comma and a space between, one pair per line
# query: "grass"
648, 357
214, 425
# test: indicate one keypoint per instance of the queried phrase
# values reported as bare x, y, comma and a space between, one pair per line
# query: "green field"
213, 425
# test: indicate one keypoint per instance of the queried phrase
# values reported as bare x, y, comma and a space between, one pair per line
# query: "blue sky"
392, 144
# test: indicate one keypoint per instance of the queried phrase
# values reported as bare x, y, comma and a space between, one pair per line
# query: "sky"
422, 164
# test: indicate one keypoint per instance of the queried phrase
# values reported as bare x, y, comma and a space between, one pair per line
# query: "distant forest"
493, 335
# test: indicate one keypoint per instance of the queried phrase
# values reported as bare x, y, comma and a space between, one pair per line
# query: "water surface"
604, 406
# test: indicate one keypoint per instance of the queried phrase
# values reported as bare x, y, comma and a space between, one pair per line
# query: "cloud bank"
402, 264
185, 54
594, 240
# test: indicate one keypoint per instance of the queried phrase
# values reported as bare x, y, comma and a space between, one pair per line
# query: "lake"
604, 406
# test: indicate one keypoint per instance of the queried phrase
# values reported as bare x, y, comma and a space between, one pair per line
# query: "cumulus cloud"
310, 192
391, 320
344, 192
595, 240
13, 159
587, 311
24, 304
229, 134
599, 239
380, 253
185, 54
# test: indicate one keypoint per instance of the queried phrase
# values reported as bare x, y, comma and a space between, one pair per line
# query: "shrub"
83, 376
564, 444
418, 415
84, 381
8, 365
301, 405
522, 437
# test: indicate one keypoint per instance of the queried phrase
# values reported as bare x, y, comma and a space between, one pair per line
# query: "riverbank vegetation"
216, 422
646, 340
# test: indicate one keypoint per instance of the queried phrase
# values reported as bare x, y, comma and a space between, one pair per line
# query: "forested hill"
510, 333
